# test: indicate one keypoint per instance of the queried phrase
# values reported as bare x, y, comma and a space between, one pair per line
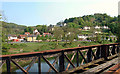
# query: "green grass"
86, 32
35, 47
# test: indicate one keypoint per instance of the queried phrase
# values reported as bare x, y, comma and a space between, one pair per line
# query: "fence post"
98, 53
8, 66
108, 53
61, 62
89, 55
39, 64
118, 48
104, 52
113, 49
77, 58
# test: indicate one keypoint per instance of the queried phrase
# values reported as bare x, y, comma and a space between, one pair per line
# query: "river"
44, 66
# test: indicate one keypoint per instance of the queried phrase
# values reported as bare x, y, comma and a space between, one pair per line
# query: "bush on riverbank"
17, 45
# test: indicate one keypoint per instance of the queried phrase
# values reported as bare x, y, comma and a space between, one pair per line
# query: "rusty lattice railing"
80, 55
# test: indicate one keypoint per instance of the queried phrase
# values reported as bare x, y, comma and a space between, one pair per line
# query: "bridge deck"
112, 65
103, 67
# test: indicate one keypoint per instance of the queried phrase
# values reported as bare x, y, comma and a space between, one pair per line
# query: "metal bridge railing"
80, 55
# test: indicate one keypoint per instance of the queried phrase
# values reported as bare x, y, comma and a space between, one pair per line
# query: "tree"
107, 38
46, 37
118, 30
72, 25
111, 39
60, 23
44, 29
110, 33
103, 37
70, 34
58, 34
38, 37
28, 29
98, 38
76, 37
71, 37
50, 37
43, 38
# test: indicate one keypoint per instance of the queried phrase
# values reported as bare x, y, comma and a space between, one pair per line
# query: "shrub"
66, 45
111, 40
17, 45
36, 50
5, 47
58, 47
23, 45
14, 46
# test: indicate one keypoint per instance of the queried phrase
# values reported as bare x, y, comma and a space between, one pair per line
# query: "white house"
35, 32
64, 24
97, 27
86, 28
11, 37
105, 27
82, 37
97, 32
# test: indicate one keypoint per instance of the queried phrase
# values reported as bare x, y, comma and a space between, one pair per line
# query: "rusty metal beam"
49, 64
69, 61
33, 61
56, 59
2, 64
82, 56
93, 55
19, 67
85, 58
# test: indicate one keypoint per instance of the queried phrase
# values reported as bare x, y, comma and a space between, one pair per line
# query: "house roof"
46, 33
12, 35
27, 33
22, 35
31, 35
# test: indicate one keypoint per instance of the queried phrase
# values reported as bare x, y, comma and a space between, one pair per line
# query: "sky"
39, 12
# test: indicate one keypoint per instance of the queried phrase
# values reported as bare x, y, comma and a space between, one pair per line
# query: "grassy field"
35, 46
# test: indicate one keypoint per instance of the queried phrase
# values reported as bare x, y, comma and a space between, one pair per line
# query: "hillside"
12, 28
74, 22
93, 20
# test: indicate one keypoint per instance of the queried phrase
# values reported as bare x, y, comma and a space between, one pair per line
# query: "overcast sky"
38, 12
